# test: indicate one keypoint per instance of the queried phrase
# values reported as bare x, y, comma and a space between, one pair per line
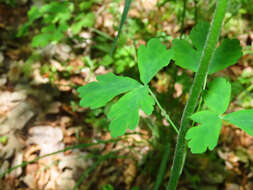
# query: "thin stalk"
183, 18
78, 146
163, 167
127, 5
163, 112
196, 89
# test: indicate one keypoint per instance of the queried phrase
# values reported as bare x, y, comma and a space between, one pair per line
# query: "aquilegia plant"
201, 55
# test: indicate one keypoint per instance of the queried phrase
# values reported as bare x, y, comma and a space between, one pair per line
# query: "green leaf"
33, 13
198, 34
152, 58
97, 94
82, 20
218, 96
187, 55
49, 33
125, 113
226, 55
242, 119
41, 40
206, 135
85, 5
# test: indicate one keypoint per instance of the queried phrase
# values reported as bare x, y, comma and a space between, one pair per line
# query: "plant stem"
164, 112
182, 18
127, 5
196, 89
162, 168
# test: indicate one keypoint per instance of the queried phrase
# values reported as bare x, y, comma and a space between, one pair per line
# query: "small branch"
163, 112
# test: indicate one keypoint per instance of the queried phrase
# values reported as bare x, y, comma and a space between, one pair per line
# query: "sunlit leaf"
242, 119
83, 20
97, 94
188, 55
218, 96
125, 113
152, 58
206, 134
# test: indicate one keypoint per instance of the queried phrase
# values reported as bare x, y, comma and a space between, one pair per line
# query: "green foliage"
82, 20
243, 119
205, 136
107, 187
9, 2
122, 59
152, 58
155, 56
97, 94
56, 17
125, 113
187, 55
219, 89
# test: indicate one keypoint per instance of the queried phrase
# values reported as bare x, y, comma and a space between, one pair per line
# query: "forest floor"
40, 117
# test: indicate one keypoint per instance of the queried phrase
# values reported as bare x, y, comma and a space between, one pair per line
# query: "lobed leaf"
97, 94
125, 113
227, 54
152, 58
198, 35
204, 136
218, 96
242, 119
185, 56
188, 55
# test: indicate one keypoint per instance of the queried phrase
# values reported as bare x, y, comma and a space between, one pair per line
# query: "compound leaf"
187, 55
218, 96
242, 119
152, 58
204, 136
125, 113
97, 94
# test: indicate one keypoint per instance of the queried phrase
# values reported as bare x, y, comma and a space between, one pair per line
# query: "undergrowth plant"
56, 18
201, 55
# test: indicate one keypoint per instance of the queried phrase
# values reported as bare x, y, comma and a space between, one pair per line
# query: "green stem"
163, 167
182, 18
127, 5
196, 89
164, 112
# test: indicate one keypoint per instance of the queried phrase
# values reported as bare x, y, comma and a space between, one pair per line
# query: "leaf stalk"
163, 112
